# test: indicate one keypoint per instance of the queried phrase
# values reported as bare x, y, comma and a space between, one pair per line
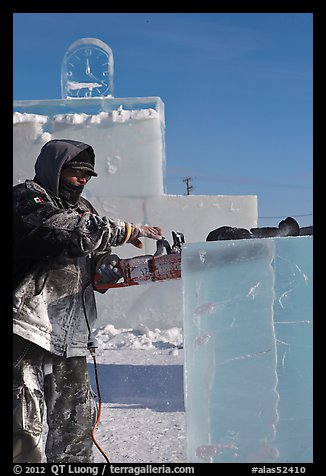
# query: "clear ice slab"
248, 350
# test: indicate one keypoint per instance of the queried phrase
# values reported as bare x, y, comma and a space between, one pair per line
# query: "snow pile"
138, 338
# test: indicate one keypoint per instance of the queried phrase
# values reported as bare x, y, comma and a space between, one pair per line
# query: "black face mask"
70, 192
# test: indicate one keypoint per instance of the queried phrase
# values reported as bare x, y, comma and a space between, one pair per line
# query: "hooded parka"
57, 242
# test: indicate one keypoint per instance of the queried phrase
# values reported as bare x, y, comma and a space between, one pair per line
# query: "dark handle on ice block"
162, 245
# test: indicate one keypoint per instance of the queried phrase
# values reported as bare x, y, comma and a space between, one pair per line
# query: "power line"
303, 215
190, 187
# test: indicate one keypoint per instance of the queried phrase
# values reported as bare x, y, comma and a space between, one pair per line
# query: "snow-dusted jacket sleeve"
43, 229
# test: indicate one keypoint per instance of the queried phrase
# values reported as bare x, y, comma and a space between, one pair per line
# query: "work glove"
108, 268
146, 231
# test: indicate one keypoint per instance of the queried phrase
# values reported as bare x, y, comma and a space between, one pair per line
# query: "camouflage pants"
61, 385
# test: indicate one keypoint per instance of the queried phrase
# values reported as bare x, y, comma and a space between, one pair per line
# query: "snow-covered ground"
141, 384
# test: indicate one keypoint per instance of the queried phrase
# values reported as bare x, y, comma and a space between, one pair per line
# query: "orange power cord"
99, 407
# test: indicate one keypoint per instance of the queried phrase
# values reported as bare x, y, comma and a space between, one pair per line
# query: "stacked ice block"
127, 137
248, 350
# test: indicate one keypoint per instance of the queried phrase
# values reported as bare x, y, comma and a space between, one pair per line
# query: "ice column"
294, 332
247, 331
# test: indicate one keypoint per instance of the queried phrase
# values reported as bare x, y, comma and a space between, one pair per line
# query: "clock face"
87, 70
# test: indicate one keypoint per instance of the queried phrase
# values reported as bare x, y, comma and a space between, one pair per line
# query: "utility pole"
187, 180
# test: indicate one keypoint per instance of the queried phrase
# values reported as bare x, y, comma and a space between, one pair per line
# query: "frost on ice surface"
248, 350
202, 256
120, 115
112, 164
206, 453
202, 339
73, 85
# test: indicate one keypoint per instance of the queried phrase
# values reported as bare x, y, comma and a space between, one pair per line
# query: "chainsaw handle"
161, 245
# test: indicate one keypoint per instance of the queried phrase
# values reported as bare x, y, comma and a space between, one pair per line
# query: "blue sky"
237, 89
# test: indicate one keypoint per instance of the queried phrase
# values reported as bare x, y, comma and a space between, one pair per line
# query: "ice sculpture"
87, 69
248, 350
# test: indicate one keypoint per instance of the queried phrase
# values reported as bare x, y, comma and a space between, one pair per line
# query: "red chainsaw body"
145, 269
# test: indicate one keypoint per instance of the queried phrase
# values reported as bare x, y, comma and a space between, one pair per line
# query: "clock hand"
93, 77
88, 69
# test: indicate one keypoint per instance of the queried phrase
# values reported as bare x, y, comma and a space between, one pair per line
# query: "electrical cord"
91, 347
99, 407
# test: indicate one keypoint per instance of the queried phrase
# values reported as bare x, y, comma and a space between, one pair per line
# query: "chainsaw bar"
148, 268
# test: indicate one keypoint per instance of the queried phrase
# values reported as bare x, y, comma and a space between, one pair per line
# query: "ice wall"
128, 143
128, 136
248, 350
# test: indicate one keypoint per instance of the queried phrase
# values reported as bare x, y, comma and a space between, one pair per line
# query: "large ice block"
248, 350
127, 136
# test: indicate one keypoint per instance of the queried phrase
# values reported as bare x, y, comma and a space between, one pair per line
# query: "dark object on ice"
228, 233
306, 230
287, 227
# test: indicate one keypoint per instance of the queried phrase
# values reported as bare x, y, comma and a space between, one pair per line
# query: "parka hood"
53, 155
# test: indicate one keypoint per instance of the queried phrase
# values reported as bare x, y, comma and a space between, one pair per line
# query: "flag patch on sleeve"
38, 200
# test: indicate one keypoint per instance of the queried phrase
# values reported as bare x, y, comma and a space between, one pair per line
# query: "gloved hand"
108, 268
146, 231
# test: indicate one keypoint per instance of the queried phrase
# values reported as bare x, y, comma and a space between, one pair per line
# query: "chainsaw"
163, 265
